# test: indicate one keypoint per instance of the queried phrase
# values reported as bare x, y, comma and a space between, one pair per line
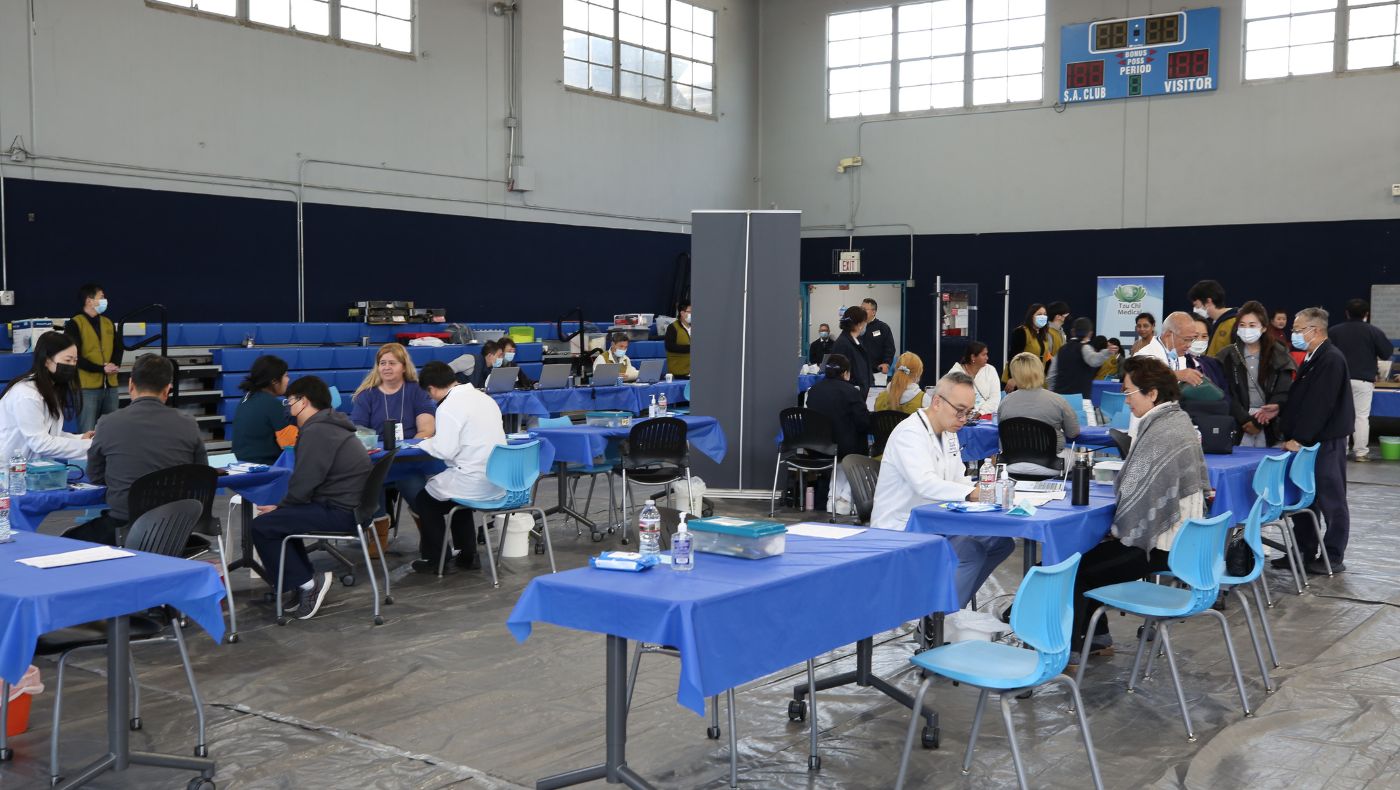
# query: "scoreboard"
1162, 54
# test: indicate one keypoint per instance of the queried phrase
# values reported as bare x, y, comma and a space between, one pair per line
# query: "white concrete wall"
1312, 148
121, 82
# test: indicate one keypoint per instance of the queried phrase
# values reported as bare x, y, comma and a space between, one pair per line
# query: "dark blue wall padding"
1289, 265
216, 259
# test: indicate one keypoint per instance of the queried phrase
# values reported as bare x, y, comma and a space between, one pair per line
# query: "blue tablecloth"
735, 620
1059, 527
412, 460
980, 439
806, 381
580, 444
628, 397
1385, 403
26, 512
35, 601
1232, 476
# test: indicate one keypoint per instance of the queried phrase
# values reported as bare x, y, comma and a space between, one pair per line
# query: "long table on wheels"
34, 601
735, 620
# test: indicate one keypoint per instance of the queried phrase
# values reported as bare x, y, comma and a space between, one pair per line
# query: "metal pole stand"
862, 676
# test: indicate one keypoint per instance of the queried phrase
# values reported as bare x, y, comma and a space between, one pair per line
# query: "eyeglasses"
1126, 393
960, 414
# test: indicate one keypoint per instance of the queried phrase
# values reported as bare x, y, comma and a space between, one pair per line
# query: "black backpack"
1218, 428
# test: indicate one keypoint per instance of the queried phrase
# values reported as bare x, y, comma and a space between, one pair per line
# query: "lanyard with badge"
398, 427
945, 447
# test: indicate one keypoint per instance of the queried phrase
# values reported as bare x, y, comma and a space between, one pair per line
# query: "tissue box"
734, 537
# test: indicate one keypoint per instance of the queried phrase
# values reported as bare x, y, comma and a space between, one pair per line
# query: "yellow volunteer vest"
1221, 338
679, 364
1033, 346
95, 349
883, 402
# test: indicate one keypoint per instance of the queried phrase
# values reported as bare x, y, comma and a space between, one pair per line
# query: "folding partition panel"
745, 289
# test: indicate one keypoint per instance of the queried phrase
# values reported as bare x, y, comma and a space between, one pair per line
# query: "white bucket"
967, 625
517, 535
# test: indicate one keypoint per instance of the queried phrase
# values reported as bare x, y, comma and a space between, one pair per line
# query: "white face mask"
1201, 311
1251, 334
1199, 347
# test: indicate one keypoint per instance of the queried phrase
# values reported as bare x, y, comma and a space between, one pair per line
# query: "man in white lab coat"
468, 428
923, 464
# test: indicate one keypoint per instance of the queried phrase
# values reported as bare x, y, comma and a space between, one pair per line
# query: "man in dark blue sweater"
1319, 411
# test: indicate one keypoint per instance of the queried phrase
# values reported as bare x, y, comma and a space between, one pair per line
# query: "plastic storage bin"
46, 476
736, 537
608, 419
370, 439
1390, 448
21, 695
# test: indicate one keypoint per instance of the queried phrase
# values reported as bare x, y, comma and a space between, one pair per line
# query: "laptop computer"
555, 376
606, 374
650, 371
501, 380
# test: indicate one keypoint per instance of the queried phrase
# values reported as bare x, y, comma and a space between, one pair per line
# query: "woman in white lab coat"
468, 427
33, 406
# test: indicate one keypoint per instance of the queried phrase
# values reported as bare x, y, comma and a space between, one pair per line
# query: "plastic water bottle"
661, 405
6, 534
987, 483
682, 548
649, 529
19, 485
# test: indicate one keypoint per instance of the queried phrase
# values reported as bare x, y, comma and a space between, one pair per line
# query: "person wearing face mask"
1198, 359
1208, 303
1074, 368
1319, 411
678, 344
492, 357
616, 354
328, 478
1178, 332
99, 356
1260, 373
522, 381
820, 347
923, 464
469, 428
1058, 313
1031, 337
33, 405
1364, 345
852, 346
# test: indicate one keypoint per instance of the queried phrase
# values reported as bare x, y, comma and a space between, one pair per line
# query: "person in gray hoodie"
327, 481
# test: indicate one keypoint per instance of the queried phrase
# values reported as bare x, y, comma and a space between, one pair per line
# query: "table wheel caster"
6, 754
281, 621
200, 783
712, 733
929, 738
625, 541
233, 638
388, 599
378, 620
348, 580
135, 723
797, 710
201, 751
814, 762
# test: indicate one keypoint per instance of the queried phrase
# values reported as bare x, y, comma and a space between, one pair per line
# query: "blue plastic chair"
1268, 485
514, 467
1076, 403
1112, 403
1302, 474
1042, 616
611, 460
1197, 558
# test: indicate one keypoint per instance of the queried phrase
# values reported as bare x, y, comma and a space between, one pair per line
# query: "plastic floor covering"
442, 696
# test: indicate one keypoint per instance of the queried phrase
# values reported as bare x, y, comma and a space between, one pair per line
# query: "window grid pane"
1285, 38
665, 51
1373, 34
692, 57
860, 51
1008, 59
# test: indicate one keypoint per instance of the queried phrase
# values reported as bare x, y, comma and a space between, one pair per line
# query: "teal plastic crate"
737, 537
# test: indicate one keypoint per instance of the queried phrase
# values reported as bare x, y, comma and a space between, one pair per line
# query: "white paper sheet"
824, 531
79, 557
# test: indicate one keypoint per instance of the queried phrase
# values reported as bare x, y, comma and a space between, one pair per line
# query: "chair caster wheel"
6, 755
596, 537
281, 621
233, 639
1025, 694
200, 783
348, 580
814, 762
929, 737
797, 710
54, 780
201, 751
378, 620
712, 733
625, 541
135, 723
388, 599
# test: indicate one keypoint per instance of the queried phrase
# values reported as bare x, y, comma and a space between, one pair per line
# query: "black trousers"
102, 529
1110, 562
1331, 501
432, 525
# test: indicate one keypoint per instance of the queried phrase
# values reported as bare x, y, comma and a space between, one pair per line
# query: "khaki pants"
1361, 392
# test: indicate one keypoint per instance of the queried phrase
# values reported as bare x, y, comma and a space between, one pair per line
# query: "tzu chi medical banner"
1121, 299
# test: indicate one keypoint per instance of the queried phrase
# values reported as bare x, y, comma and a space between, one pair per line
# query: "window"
935, 55
384, 24
649, 51
1284, 38
1373, 34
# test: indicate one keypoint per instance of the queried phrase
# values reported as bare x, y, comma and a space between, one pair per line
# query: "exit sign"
845, 261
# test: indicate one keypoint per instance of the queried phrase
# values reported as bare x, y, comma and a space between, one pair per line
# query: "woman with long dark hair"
33, 406
1259, 373
1031, 337
261, 414
848, 345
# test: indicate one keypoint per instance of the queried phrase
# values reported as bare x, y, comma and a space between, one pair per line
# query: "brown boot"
381, 528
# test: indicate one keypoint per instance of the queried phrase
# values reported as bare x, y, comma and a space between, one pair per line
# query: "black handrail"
581, 360
163, 336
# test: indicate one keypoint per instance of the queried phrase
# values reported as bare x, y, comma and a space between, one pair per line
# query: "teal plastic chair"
611, 461
1042, 616
1302, 474
1197, 558
1268, 484
514, 468
1076, 403
1112, 403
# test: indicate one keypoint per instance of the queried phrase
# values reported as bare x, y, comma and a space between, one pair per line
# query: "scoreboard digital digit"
1157, 55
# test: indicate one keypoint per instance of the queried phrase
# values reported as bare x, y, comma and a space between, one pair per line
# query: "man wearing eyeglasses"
1319, 411
923, 464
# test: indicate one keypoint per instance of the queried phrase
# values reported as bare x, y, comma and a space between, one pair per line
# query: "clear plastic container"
733, 537
46, 476
608, 419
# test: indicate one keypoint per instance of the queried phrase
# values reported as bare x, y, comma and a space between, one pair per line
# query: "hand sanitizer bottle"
682, 548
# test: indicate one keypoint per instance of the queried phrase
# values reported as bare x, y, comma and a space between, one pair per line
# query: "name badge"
398, 431
876, 333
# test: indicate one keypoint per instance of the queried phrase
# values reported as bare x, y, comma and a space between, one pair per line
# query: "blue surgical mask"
619, 353
1041, 321
510, 356
1299, 341
497, 362
825, 335
101, 306
1171, 358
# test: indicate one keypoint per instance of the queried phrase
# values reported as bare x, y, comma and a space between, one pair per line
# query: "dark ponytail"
59, 396
852, 318
267, 370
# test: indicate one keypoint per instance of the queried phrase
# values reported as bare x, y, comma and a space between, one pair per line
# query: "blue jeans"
978, 556
96, 402
270, 528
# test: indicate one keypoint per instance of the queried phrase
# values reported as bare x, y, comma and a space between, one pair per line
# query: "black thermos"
1079, 480
389, 434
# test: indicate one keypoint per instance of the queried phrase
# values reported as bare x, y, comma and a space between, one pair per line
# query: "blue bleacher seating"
198, 335
309, 334
646, 349
356, 357
274, 334
234, 334
315, 358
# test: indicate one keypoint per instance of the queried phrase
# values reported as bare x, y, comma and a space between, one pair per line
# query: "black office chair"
656, 452
364, 524
862, 474
808, 446
1024, 440
882, 424
162, 530
188, 481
